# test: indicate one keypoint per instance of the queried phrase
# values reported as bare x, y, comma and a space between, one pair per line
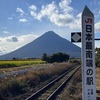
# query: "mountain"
48, 43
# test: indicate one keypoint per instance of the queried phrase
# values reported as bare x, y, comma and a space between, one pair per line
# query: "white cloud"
22, 17
33, 14
64, 5
28, 38
5, 32
23, 20
20, 11
76, 24
32, 10
60, 15
12, 39
33, 7
3, 50
97, 44
11, 43
48, 11
10, 18
97, 27
9, 39
23, 38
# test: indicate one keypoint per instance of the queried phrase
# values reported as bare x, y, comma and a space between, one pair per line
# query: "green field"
17, 63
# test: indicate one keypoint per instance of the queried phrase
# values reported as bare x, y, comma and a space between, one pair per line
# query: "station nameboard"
88, 55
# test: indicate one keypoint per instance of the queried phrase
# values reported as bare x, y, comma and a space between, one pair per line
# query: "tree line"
98, 57
56, 57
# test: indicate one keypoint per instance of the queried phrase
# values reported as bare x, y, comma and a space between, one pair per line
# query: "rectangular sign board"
88, 55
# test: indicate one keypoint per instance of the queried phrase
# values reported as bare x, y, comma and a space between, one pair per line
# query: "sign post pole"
88, 55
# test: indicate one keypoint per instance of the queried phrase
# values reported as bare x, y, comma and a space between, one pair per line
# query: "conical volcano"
48, 43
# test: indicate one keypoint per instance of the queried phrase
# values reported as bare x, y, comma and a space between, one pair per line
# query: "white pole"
88, 55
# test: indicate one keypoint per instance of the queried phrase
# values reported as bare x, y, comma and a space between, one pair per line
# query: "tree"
44, 57
56, 57
98, 57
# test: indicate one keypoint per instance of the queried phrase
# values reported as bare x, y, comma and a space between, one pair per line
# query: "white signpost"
88, 55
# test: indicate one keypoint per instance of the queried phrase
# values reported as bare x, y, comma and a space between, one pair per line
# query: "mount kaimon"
48, 43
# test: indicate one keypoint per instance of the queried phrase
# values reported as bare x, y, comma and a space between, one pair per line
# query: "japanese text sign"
88, 55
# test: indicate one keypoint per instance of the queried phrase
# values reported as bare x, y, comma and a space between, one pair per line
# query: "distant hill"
48, 43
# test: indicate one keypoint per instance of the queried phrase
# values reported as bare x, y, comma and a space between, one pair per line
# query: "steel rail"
58, 90
36, 94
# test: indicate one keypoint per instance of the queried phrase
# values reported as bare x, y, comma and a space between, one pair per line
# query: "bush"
11, 88
98, 57
56, 57
77, 61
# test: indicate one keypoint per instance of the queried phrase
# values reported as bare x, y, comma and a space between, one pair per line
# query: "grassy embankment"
98, 80
16, 86
73, 90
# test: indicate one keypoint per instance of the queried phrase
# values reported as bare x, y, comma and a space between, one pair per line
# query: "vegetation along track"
50, 91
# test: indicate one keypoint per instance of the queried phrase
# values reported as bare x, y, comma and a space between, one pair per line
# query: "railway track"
50, 91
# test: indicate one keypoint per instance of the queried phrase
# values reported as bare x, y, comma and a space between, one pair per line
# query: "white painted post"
88, 55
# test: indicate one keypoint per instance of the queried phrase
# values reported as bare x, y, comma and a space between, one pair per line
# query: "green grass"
17, 63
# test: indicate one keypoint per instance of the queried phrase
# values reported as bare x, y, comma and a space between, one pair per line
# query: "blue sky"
21, 21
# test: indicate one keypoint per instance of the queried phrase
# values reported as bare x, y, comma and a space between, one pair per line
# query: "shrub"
11, 88
56, 57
